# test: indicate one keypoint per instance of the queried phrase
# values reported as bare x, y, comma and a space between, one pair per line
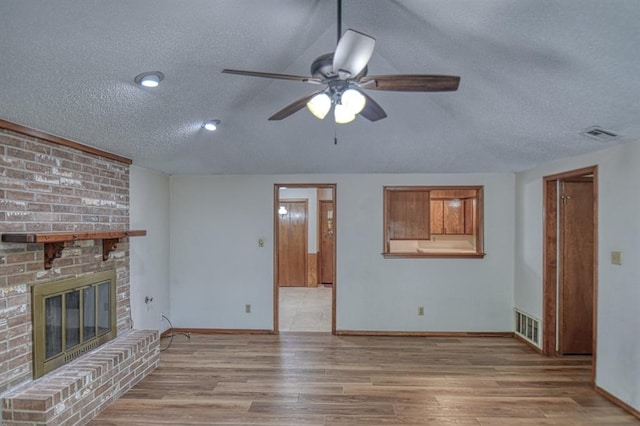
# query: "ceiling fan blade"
294, 107
411, 82
372, 111
273, 75
352, 54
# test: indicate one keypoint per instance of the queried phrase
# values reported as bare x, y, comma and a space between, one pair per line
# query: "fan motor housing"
322, 68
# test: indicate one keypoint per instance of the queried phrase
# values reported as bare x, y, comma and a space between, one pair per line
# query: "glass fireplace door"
53, 325
89, 312
72, 317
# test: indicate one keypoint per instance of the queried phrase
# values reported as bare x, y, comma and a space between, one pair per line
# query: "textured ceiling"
534, 74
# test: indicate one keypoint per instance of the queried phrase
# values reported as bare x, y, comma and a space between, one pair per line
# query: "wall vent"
528, 327
600, 134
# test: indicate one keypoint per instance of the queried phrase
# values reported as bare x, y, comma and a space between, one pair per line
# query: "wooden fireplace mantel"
54, 242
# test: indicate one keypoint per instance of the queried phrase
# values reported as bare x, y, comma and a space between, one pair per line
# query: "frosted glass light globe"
353, 100
343, 115
319, 105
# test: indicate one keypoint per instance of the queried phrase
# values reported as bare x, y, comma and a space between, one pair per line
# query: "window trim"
478, 230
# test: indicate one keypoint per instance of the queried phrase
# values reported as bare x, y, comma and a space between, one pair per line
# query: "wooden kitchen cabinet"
451, 216
408, 215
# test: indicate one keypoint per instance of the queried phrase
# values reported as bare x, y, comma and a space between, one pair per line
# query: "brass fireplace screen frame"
41, 292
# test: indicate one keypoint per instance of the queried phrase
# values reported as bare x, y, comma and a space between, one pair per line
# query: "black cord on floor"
172, 334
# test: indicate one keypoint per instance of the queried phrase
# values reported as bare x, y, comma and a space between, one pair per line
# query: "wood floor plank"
595, 421
347, 408
320, 379
470, 410
399, 420
432, 391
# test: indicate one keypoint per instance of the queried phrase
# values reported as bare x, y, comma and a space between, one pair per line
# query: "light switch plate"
616, 258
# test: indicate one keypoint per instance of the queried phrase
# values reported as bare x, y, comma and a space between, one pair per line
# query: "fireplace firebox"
71, 317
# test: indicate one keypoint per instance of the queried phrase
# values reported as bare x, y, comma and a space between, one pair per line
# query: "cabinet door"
409, 215
453, 216
437, 216
469, 216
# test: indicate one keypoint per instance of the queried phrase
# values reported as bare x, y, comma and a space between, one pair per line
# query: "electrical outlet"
616, 258
247, 309
420, 310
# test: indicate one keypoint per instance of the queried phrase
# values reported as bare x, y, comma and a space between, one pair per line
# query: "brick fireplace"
46, 187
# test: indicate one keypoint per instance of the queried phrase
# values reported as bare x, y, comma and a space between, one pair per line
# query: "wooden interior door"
292, 244
576, 280
326, 242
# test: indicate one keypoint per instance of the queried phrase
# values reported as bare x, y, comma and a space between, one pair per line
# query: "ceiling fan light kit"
348, 104
344, 73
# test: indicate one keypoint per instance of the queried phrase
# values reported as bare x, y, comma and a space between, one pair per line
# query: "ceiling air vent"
600, 134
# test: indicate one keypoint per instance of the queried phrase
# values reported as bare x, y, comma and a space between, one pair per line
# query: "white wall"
149, 209
217, 266
618, 312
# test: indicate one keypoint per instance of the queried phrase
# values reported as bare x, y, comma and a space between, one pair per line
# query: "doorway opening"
570, 263
304, 257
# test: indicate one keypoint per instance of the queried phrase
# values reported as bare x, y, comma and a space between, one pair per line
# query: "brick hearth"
76, 392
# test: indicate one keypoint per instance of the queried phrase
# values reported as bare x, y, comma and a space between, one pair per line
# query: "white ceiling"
534, 74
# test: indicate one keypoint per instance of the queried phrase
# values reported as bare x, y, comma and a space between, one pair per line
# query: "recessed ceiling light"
211, 125
149, 79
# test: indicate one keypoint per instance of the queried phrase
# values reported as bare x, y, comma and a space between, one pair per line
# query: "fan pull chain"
335, 134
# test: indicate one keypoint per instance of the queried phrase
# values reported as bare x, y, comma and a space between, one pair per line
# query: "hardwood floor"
319, 379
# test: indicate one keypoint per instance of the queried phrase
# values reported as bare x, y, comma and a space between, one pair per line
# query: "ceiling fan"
343, 74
